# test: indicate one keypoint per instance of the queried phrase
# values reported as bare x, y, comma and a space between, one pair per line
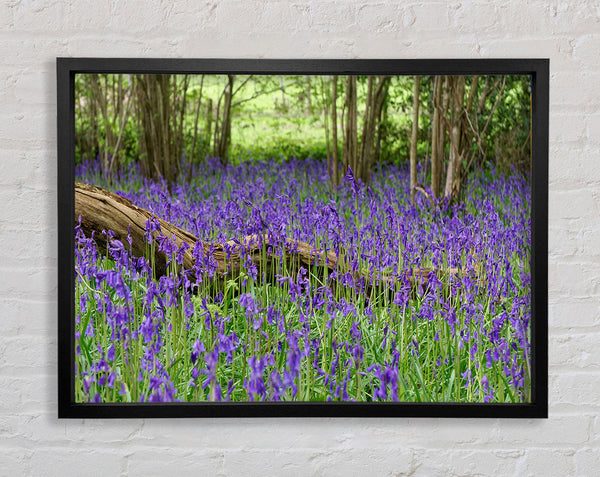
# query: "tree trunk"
380, 130
160, 134
307, 98
282, 87
195, 137
366, 132
326, 98
209, 123
456, 132
472, 131
182, 103
100, 96
413, 140
86, 141
334, 128
122, 123
94, 127
376, 96
472, 94
436, 131
224, 137
350, 137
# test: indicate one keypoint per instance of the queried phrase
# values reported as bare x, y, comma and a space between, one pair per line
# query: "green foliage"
510, 136
276, 117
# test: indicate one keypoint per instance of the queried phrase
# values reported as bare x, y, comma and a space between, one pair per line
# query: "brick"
15, 461
28, 283
441, 431
103, 16
218, 433
565, 241
573, 313
336, 17
575, 279
568, 127
46, 15
573, 429
22, 394
381, 17
18, 313
28, 354
583, 98
292, 461
585, 48
20, 167
587, 461
25, 429
6, 14
187, 461
548, 462
148, 15
93, 18
591, 242
559, 49
486, 16
319, 461
27, 208
573, 388
363, 461
571, 17
556, 17
18, 129
263, 17
593, 126
127, 44
29, 244
595, 431
338, 434
33, 88
575, 351
442, 462
106, 432
152, 17
574, 165
75, 462
431, 17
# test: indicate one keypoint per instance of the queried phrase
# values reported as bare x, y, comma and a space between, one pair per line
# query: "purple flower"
247, 301
255, 385
197, 348
110, 355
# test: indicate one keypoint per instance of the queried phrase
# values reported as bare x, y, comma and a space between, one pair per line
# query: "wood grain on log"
101, 210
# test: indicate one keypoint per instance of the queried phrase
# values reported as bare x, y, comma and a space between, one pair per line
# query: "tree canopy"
441, 126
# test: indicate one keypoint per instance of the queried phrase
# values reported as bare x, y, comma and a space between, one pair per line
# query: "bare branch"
256, 95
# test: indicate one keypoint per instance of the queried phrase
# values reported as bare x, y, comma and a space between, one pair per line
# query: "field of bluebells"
461, 335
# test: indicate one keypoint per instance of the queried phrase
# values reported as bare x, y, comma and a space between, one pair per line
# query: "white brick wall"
32, 34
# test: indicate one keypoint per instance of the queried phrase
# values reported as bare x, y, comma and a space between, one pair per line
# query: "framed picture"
244, 238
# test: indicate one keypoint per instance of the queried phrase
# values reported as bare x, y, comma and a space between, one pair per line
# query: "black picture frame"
67, 68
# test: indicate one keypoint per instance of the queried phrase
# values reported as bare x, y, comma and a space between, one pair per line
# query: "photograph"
302, 238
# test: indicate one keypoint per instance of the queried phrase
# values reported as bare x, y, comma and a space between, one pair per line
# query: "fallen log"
98, 211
